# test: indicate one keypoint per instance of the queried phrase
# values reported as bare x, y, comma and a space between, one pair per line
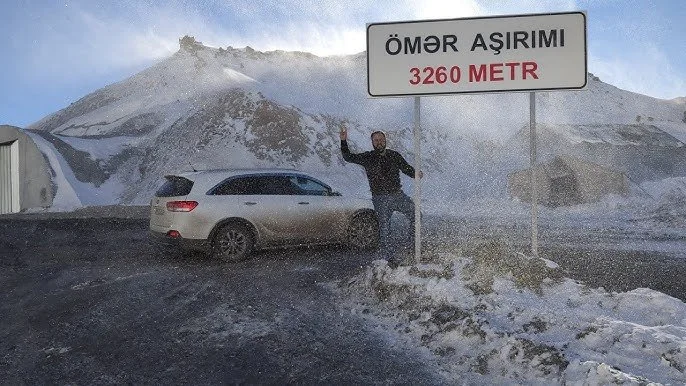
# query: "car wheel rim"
233, 244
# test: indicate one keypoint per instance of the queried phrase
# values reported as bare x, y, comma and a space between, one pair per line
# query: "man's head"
379, 141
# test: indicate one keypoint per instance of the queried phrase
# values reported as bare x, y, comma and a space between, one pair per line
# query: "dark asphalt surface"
617, 259
88, 301
91, 301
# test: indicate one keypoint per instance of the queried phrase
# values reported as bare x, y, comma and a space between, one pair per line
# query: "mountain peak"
189, 44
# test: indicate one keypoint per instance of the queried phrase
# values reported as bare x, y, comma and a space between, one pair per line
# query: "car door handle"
303, 203
250, 203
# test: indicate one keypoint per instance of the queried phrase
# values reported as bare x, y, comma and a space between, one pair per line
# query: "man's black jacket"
383, 169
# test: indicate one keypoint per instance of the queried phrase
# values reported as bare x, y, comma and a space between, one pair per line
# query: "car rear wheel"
233, 242
363, 232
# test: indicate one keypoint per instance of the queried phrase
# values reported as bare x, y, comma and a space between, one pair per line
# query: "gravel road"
89, 300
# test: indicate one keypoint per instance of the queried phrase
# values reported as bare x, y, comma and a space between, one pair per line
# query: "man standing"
383, 167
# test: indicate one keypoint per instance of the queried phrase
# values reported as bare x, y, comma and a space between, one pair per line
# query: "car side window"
238, 186
309, 187
279, 185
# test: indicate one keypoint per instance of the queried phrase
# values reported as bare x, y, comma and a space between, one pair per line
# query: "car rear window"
175, 186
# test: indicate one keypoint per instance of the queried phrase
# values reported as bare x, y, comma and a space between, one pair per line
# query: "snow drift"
489, 316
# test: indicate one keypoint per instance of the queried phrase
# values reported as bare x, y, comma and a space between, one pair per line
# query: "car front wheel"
233, 242
363, 232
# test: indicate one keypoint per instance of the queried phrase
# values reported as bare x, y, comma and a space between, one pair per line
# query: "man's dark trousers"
385, 205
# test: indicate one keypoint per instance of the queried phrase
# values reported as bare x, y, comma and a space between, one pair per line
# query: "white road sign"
477, 55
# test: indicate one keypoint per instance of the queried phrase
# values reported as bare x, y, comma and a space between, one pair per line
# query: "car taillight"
181, 206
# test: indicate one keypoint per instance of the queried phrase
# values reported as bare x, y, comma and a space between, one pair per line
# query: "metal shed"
24, 173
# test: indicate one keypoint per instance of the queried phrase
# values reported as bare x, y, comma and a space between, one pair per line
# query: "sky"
55, 52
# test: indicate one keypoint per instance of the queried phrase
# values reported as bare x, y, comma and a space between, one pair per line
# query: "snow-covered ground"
489, 316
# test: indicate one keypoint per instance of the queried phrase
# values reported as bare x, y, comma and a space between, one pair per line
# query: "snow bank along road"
87, 300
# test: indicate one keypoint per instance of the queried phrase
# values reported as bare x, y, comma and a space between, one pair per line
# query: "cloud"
83, 40
121, 43
647, 71
81, 37
324, 27
334, 27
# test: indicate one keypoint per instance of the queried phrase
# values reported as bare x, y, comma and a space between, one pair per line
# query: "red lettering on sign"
529, 68
477, 75
512, 69
496, 71
491, 72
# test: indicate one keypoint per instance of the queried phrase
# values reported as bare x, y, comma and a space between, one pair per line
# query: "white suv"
230, 213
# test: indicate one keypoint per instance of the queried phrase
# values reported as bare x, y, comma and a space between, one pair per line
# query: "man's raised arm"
347, 155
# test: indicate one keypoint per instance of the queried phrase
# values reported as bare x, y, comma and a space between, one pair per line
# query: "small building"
645, 152
568, 181
24, 173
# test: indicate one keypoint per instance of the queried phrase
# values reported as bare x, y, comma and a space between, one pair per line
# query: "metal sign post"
533, 174
417, 183
504, 53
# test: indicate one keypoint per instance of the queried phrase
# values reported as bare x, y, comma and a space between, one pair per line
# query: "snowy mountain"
207, 107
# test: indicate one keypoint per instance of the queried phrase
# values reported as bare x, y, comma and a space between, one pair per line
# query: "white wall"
29, 176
